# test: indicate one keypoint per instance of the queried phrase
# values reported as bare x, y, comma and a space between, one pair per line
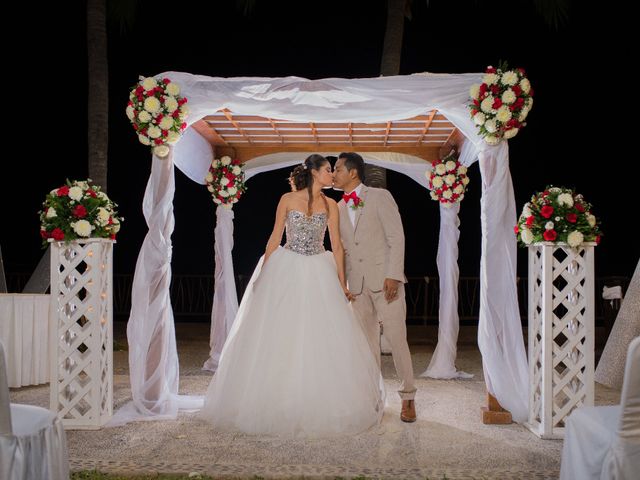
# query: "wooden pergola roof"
247, 136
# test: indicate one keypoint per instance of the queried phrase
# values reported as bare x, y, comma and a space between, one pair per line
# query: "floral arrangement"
157, 112
78, 210
501, 103
557, 215
448, 180
225, 181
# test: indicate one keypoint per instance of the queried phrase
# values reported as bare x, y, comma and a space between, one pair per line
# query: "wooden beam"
275, 129
427, 125
227, 114
386, 136
208, 133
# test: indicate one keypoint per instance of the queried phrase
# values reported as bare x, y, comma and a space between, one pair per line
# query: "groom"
373, 239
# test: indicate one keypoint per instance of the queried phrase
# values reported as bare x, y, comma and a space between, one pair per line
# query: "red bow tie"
351, 196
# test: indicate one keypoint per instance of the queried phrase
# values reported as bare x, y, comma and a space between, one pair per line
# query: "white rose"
173, 137
512, 132
152, 104
451, 166
173, 89
557, 219
224, 181
575, 238
210, 188
171, 104
184, 110
149, 83
144, 139
223, 193
441, 169
217, 200
523, 114
166, 123
491, 126
555, 190
487, 104
83, 185
565, 199
437, 182
526, 235
509, 78
161, 151
474, 91
209, 177
75, 193
235, 200
216, 163
51, 212
491, 140
462, 170
465, 180
130, 113
434, 196
526, 211
529, 103
504, 114
508, 96
490, 78
232, 190
447, 194
548, 226
102, 195
103, 216
459, 189
591, 219
225, 160
144, 116
479, 118
236, 170
115, 226
525, 85
450, 179
461, 197
154, 132
82, 228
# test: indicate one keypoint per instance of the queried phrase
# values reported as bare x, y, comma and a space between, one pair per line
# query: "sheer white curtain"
225, 299
499, 331
153, 358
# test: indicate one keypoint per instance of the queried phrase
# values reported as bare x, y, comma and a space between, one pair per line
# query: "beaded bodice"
305, 235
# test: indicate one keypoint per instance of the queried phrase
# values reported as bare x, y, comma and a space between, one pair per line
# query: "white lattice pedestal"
81, 333
561, 334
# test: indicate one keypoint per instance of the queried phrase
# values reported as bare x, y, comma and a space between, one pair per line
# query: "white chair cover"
603, 443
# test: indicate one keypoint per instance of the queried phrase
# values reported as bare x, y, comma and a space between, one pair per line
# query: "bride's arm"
336, 244
278, 227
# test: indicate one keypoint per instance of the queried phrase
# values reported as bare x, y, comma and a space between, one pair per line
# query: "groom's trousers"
372, 310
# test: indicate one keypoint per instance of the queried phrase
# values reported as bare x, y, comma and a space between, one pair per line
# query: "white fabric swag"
151, 331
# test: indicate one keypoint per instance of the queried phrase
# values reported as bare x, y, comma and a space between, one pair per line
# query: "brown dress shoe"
408, 412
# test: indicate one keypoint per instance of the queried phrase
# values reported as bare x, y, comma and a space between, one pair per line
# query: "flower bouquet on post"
225, 181
448, 180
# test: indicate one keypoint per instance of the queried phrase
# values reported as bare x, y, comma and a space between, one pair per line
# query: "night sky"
559, 146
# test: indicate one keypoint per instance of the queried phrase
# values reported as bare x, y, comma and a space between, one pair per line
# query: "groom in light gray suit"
373, 240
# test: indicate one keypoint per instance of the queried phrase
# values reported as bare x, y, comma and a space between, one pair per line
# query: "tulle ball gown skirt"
296, 362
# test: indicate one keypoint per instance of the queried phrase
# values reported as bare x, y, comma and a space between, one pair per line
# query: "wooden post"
494, 414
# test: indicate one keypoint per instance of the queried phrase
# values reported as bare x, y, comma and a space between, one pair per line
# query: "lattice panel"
561, 335
82, 332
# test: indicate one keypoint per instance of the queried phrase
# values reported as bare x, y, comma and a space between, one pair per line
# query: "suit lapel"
363, 195
344, 218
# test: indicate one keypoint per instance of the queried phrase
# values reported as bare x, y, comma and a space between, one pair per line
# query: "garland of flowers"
501, 103
557, 215
78, 210
448, 180
157, 112
225, 181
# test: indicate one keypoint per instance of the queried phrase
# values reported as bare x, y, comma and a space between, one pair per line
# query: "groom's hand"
390, 289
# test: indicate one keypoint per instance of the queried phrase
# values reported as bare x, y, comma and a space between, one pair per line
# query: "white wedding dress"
296, 361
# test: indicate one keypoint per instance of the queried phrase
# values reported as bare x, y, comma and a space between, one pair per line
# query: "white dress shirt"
352, 211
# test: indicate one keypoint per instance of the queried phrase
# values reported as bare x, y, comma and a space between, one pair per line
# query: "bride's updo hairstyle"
301, 177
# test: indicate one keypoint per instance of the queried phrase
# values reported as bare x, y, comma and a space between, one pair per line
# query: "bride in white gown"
296, 361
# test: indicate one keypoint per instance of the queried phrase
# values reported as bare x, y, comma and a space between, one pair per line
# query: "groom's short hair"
353, 160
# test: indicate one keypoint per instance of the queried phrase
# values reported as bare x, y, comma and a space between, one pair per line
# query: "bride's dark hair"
301, 178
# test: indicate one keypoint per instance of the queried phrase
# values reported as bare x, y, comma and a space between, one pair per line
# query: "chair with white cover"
604, 442
33, 444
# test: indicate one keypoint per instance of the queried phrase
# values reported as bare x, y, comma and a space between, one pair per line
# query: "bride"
296, 361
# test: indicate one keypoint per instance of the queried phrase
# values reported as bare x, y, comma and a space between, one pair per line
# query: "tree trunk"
98, 111
392, 48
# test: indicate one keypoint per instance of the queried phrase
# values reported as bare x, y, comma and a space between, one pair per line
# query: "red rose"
91, 193
166, 81
158, 141
580, 207
135, 127
57, 234
149, 93
110, 222
531, 92
483, 88
597, 239
549, 235
44, 234
516, 230
159, 117
517, 90
572, 217
183, 126
112, 236
175, 113
165, 133
530, 220
356, 201
139, 90
79, 211
62, 191
497, 103
491, 70
546, 211
521, 70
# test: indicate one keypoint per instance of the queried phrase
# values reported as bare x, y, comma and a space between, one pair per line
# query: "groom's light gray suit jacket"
374, 247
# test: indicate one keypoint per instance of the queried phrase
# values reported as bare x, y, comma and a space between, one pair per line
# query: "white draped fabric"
24, 330
153, 357
351, 100
225, 299
500, 339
